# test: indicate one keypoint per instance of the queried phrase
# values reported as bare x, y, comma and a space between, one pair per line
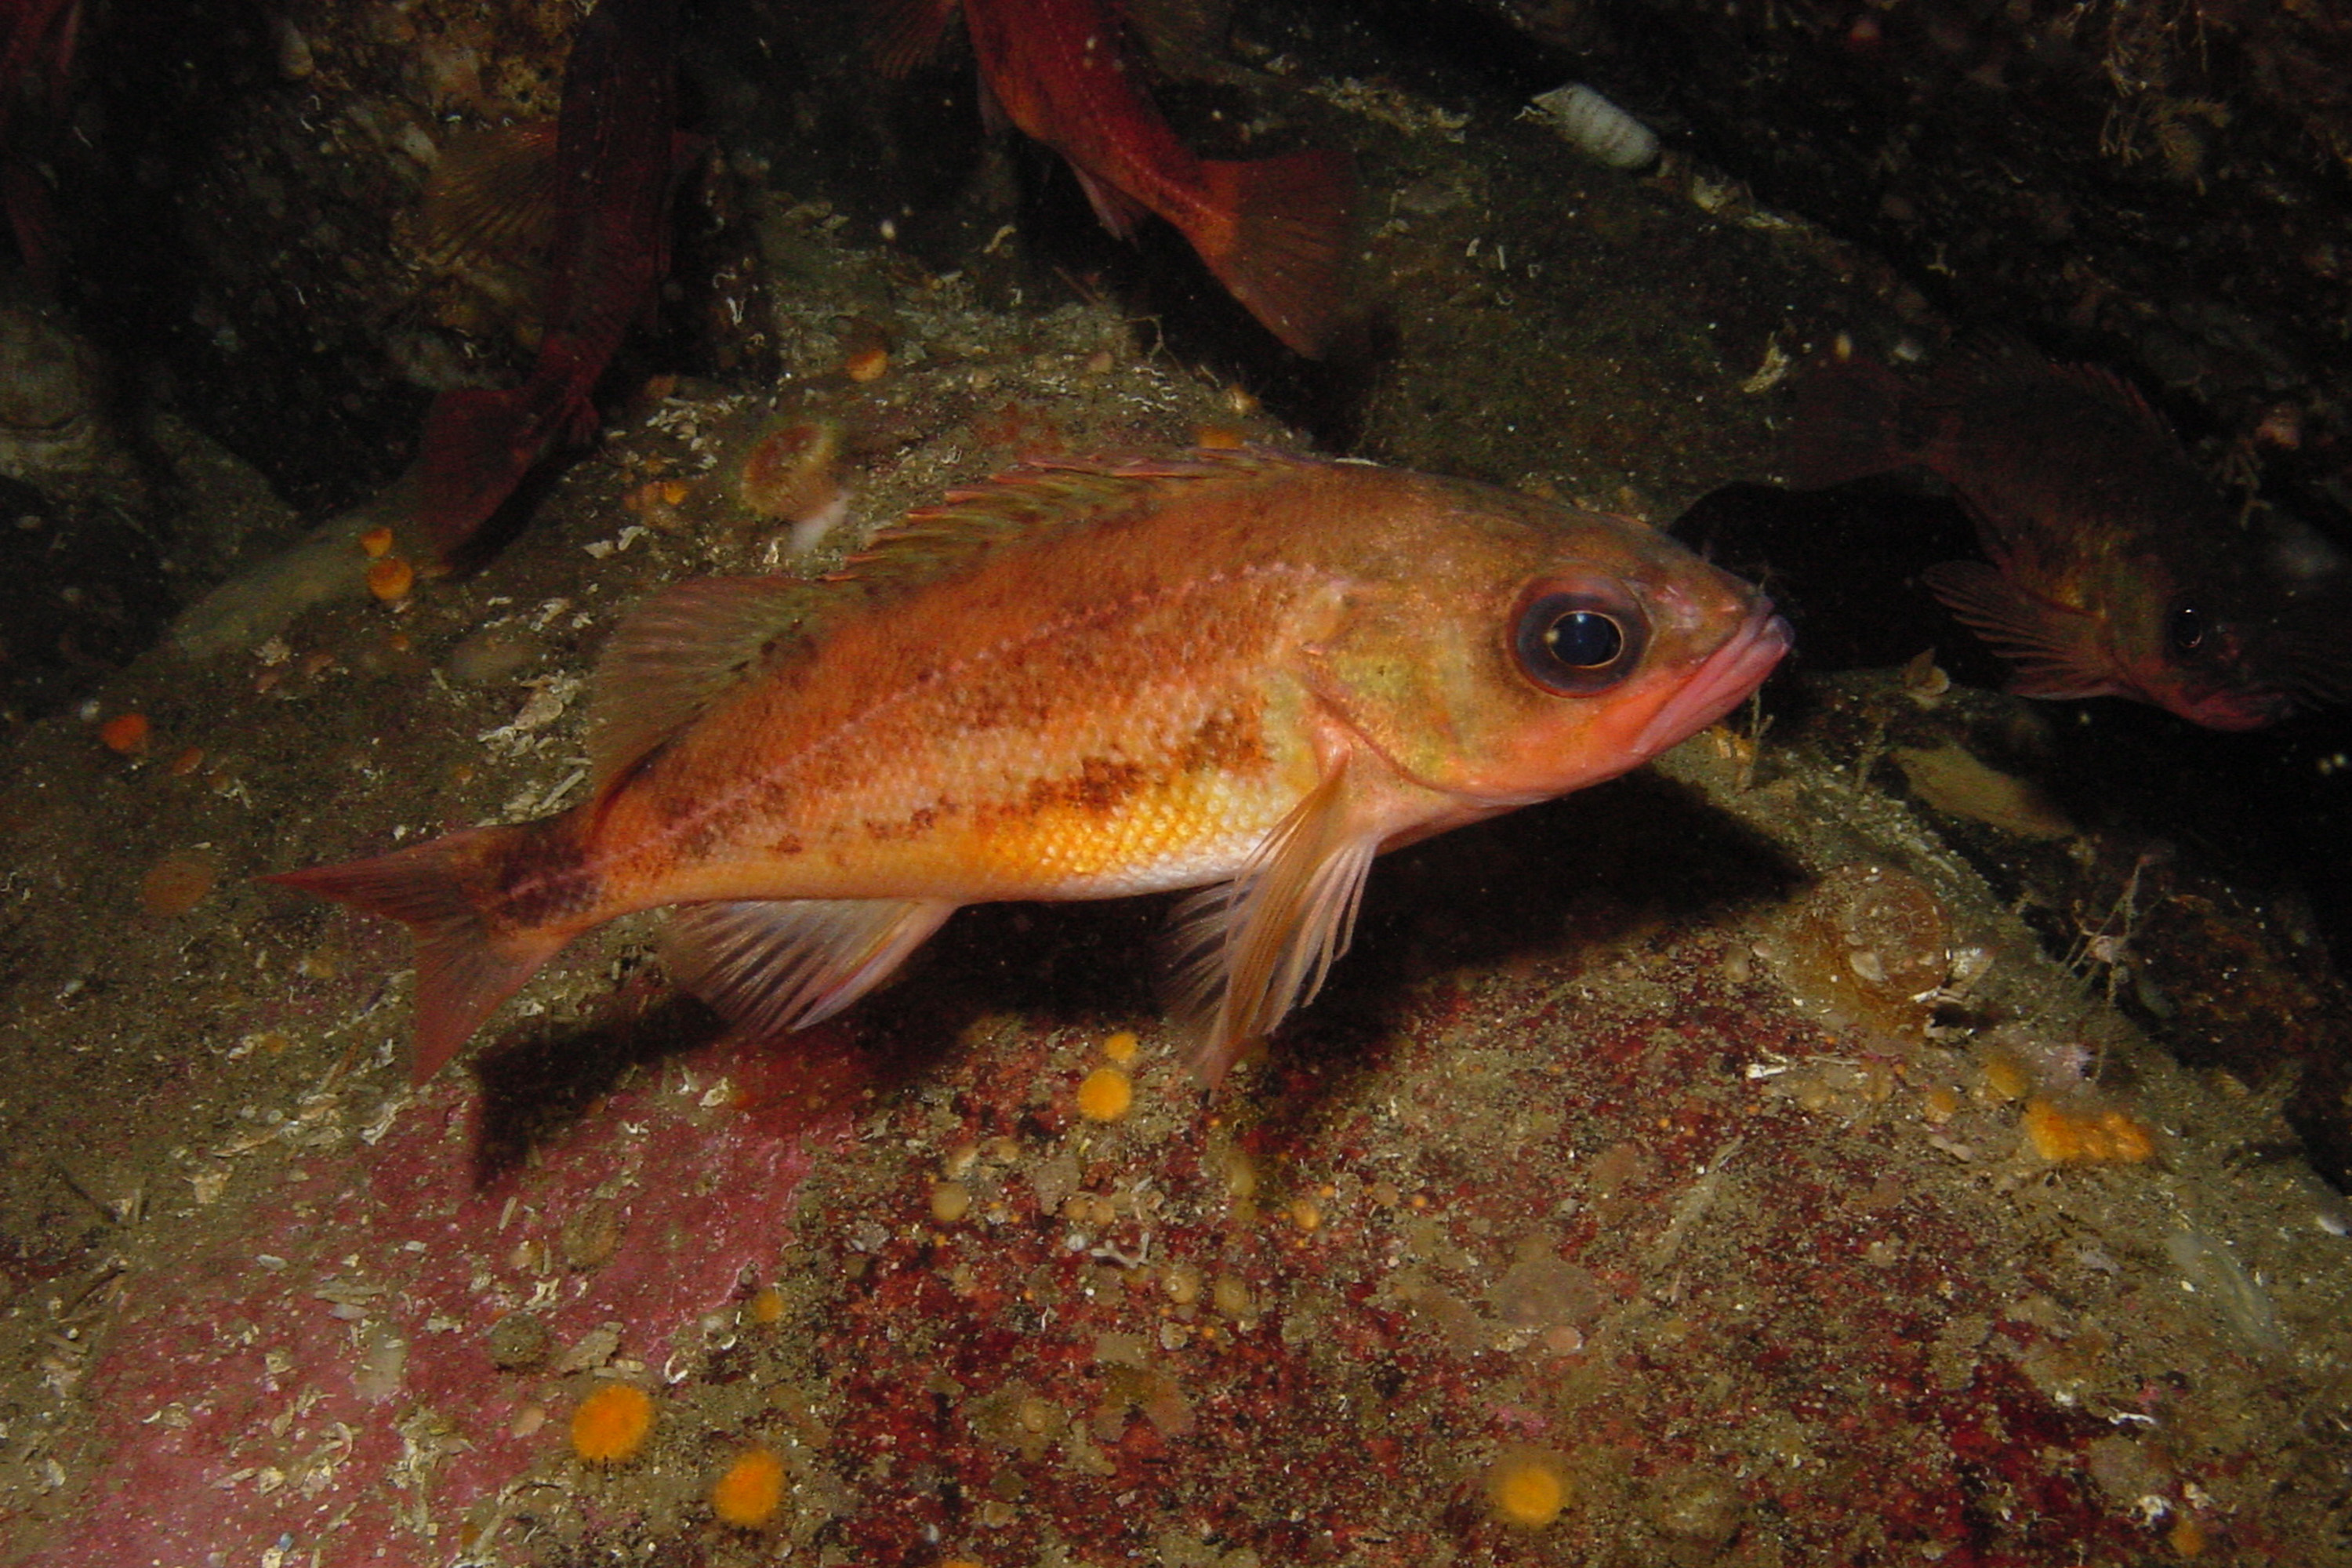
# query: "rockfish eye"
1575, 641
2184, 628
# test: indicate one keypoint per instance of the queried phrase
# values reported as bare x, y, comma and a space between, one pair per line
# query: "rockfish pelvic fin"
1116, 211
1288, 231
2054, 649
463, 970
1248, 951
682, 649
773, 965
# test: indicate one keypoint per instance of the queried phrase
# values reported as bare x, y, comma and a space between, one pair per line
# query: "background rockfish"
1273, 230
613, 159
1245, 673
2117, 568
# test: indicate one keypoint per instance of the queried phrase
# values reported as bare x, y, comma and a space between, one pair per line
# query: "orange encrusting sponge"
612, 1424
2091, 1137
749, 1492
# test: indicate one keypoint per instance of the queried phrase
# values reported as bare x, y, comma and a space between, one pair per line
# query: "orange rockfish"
1245, 673
2117, 568
614, 156
1273, 230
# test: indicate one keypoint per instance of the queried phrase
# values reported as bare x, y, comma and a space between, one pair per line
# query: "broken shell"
1598, 128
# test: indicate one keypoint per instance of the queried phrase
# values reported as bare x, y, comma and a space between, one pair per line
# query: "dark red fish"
615, 159
36, 50
1275, 231
2118, 569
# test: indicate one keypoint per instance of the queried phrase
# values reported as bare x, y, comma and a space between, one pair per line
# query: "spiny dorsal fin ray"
1995, 359
681, 649
1037, 499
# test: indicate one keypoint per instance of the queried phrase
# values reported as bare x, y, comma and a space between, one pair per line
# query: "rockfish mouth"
1721, 682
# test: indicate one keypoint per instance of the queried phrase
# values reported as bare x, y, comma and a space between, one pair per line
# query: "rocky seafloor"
1786, 1155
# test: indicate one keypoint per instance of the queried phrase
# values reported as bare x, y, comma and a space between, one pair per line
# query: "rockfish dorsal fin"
1041, 498
1248, 951
2053, 650
2107, 387
681, 649
771, 965
1999, 361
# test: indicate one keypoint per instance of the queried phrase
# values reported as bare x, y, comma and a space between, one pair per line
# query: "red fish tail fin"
469, 462
478, 446
440, 891
1285, 255
1849, 424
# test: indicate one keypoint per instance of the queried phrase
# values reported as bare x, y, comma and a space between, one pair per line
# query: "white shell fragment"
1604, 133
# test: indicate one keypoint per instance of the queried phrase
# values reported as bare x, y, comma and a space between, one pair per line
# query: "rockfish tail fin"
464, 968
478, 446
1849, 424
1248, 951
1283, 249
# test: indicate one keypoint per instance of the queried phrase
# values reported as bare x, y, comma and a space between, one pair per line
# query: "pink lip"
1720, 683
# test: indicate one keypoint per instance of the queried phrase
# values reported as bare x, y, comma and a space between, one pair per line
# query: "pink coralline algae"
325, 1379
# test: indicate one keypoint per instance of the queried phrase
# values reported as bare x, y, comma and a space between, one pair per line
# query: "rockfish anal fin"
2055, 649
1248, 951
1282, 251
464, 969
1114, 208
775, 965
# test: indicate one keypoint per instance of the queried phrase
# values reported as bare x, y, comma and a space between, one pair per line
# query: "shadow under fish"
2117, 568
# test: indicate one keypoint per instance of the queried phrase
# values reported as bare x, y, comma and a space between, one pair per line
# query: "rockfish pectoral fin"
776, 964
909, 34
492, 197
2054, 650
1248, 951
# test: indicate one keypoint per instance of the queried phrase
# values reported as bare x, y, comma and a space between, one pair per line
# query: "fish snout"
1721, 681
